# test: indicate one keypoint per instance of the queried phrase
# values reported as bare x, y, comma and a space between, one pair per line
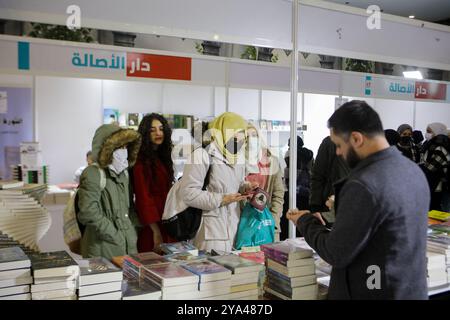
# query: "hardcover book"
178, 247
13, 258
98, 270
236, 264
135, 290
53, 264
169, 274
207, 270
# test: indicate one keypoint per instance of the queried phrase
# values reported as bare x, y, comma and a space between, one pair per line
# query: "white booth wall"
68, 110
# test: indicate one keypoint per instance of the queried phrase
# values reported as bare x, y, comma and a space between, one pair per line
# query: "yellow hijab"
223, 128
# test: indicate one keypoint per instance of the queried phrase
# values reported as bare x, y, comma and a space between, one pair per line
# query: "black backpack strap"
208, 173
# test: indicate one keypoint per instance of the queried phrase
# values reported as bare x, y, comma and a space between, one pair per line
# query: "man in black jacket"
377, 246
328, 169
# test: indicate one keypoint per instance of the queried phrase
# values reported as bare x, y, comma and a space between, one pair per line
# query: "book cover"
133, 120
136, 290
439, 215
177, 247
110, 115
13, 258
53, 264
138, 260
169, 274
236, 264
286, 250
98, 270
8, 184
181, 257
257, 257
207, 270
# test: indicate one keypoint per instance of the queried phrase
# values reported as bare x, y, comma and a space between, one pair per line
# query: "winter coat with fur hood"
107, 213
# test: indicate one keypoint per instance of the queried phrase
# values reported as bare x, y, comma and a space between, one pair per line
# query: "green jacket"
107, 214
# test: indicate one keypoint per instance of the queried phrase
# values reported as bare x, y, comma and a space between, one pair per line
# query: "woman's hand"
234, 197
157, 238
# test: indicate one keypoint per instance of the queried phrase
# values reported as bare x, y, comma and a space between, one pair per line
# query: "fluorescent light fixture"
413, 74
412, 17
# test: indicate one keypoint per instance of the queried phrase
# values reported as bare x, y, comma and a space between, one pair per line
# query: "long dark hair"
148, 154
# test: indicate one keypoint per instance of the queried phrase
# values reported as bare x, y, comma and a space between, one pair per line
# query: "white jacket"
219, 224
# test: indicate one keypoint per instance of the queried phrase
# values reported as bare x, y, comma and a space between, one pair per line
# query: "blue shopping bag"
255, 227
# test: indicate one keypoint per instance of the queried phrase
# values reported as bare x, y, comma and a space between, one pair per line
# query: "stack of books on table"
436, 270
178, 247
99, 280
214, 279
244, 278
258, 257
55, 276
291, 272
134, 289
169, 277
439, 242
15, 274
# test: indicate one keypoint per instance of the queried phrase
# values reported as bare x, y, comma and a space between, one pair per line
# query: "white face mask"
120, 160
428, 136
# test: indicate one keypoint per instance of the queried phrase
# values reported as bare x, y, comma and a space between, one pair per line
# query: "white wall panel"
132, 96
189, 100
318, 109
244, 102
68, 113
429, 112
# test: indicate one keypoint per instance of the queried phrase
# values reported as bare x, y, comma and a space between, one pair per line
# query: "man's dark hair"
88, 153
356, 115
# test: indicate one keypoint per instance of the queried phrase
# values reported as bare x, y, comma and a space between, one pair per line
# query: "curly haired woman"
153, 176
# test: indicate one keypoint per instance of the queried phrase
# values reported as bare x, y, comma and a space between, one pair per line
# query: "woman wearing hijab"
406, 144
263, 169
436, 162
224, 157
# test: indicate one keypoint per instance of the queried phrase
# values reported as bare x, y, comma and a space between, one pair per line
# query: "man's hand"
295, 214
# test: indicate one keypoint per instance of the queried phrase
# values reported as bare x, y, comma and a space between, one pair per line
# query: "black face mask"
406, 140
233, 145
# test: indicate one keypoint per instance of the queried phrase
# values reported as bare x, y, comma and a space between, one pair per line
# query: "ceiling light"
216, 37
413, 74
412, 17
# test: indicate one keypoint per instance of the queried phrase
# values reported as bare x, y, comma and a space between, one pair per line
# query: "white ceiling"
427, 10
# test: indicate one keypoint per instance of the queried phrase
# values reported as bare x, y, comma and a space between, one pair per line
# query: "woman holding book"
153, 176
223, 161
263, 168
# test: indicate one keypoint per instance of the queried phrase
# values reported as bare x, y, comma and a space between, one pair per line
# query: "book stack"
133, 289
22, 217
8, 184
439, 242
169, 277
257, 257
291, 272
15, 274
244, 278
99, 280
214, 280
55, 276
436, 270
175, 282
178, 247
